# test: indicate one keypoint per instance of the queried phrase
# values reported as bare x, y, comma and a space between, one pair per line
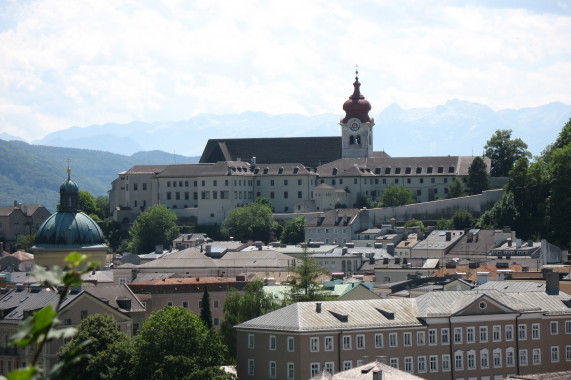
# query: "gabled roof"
334, 218
309, 151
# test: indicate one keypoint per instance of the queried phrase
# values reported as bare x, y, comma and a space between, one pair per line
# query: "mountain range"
32, 173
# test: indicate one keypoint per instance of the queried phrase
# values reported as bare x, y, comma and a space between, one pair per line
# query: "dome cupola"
357, 106
68, 194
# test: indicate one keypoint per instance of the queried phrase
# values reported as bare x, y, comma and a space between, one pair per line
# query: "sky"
78, 63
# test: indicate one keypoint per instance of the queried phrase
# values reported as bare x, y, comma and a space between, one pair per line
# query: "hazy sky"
66, 63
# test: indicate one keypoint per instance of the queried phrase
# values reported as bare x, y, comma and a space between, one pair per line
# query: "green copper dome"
69, 187
69, 229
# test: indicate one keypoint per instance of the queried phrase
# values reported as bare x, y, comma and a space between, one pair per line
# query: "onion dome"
356, 106
68, 195
69, 229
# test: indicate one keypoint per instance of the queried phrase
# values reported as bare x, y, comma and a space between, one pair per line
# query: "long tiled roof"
334, 218
145, 169
310, 151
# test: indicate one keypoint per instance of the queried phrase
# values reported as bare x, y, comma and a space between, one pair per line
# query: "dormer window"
387, 170
407, 170
281, 171
418, 170
334, 171
397, 171
429, 170
295, 170
265, 170
441, 169
451, 169
377, 170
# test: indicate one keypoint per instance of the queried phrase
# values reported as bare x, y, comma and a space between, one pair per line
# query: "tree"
363, 201
503, 213
305, 286
456, 188
414, 223
462, 219
102, 203
250, 222
205, 312
293, 232
478, 178
114, 362
25, 242
396, 196
86, 203
157, 226
444, 224
239, 308
174, 344
101, 331
504, 152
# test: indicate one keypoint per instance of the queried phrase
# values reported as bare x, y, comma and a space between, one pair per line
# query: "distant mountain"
33, 173
455, 128
8, 137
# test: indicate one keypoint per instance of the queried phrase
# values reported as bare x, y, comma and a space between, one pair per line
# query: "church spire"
68, 193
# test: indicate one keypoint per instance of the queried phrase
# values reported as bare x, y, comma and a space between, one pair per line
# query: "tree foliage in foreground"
462, 219
293, 232
504, 152
478, 177
156, 226
396, 196
250, 222
239, 308
205, 312
305, 287
456, 188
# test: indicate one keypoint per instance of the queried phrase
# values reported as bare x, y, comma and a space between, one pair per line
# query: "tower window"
357, 140
351, 140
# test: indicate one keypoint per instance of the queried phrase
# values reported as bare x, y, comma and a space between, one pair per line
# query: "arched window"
358, 140
343, 266
351, 140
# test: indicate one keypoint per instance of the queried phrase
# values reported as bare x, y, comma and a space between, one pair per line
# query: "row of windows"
272, 369
237, 182
285, 182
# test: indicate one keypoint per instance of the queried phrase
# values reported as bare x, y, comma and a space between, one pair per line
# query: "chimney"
133, 274
378, 374
15, 203
530, 243
208, 248
509, 242
159, 248
551, 283
448, 235
318, 307
344, 250
253, 162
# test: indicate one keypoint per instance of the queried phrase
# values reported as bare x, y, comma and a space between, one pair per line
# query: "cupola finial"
68, 169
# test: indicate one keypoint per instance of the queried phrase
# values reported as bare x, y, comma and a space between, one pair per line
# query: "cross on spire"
68, 169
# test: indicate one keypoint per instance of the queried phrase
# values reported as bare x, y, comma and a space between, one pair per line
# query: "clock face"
355, 125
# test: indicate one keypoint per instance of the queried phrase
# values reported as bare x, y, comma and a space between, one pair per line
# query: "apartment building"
478, 334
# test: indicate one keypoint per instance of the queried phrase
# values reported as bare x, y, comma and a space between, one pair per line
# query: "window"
567, 353
394, 362
177, 196
314, 369
458, 335
285, 195
205, 194
250, 367
522, 332
347, 342
168, 195
300, 194
393, 342
535, 331
299, 182
484, 359
272, 195
420, 338
422, 364
290, 345
272, 345
523, 357
408, 364
328, 343
554, 327
83, 314
290, 371
510, 357
433, 363
459, 360
360, 342
470, 332
314, 344
407, 339
251, 341
509, 332
536, 356
554, 354
432, 340
378, 340
446, 362
144, 186
497, 333
471, 359
216, 321
347, 365
329, 367
272, 367
216, 304
483, 333
170, 303
444, 336
567, 327
497, 357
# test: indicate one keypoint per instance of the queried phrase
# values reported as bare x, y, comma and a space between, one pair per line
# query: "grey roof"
482, 243
399, 166
110, 294
212, 169
302, 316
284, 169
365, 372
437, 240
514, 286
143, 277
145, 169
298, 249
334, 218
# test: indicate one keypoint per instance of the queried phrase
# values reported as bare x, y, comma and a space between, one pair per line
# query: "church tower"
357, 126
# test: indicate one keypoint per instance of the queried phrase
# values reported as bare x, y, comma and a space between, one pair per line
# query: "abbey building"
301, 174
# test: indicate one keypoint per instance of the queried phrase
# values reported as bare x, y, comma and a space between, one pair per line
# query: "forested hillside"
33, 173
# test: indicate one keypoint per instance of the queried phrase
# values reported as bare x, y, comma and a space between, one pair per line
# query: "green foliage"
396, 196
264, 202
115, 236
363, 201
155, 226
86, 203
456, 188
114, 362
102, 204
239, 308
293, 231
42, 326
101, 331
504, 152
174, 344
250, 222
478, 177
462, 219
305, 286
340, 205
205, 312
444, 224
413, 223
503, 213
25, 242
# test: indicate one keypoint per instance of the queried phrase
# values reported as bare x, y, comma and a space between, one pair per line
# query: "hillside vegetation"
33, 173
